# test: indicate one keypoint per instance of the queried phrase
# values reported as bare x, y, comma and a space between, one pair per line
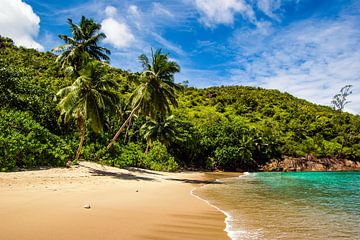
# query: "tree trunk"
147, 148
127, 131
82, 136
122, 127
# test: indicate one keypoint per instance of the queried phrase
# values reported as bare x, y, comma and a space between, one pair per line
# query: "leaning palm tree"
157, 91
86, 100
82, 45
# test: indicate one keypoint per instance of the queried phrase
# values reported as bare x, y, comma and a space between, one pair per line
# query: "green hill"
231, 127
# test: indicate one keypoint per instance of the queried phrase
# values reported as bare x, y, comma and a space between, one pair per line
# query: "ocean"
288, 205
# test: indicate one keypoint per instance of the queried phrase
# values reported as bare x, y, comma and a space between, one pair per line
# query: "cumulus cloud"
215, 12
118, 33
19, 22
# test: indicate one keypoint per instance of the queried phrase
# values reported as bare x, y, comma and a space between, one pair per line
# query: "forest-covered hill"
230, 127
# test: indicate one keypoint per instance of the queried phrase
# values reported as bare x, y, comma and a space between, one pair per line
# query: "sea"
288, 205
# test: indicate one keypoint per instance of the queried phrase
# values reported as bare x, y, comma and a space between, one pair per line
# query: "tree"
157, 90
340, 100
161, 129
86, 100
82, 45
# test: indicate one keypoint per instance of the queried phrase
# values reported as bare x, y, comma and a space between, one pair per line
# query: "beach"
124, 204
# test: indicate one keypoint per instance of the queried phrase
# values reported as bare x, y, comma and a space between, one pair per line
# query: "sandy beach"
125, 204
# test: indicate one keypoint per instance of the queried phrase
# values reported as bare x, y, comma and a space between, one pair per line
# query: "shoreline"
228, 217
135, 204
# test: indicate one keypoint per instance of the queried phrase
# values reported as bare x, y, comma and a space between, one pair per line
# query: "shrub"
122, 156
25, 143
159, 159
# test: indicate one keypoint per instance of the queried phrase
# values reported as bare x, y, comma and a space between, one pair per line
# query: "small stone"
137, 190
87, 206
68, 164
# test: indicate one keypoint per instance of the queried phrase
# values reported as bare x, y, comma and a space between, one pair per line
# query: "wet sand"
125, 204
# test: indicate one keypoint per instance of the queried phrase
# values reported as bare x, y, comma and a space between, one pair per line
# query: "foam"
228, 217
233, 234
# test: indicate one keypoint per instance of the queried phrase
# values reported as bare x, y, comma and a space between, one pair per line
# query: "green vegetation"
159, 124
82, 46
88, 99
25, 143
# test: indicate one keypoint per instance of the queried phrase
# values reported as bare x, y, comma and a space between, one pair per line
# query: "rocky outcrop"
310, 163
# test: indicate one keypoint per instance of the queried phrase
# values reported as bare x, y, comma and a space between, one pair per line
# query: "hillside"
233, 127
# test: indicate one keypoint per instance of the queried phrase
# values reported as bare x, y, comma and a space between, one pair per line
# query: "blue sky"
309, 48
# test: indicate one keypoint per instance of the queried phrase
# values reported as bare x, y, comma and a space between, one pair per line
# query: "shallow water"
296, 205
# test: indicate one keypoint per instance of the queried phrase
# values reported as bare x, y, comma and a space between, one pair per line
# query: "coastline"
230, 233
131, 204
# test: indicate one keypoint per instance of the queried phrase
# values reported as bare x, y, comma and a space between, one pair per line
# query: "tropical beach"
124, 204
203, 119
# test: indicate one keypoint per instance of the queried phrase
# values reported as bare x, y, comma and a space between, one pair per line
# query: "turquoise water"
291, 205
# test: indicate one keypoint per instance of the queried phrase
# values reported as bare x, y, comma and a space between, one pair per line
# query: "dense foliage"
25, 143
231, 127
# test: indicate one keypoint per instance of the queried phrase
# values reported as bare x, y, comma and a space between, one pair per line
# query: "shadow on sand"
140, 170
193, 181
118, 175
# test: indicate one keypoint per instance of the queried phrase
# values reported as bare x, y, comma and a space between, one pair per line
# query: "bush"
122, 156
25, 143
159, 159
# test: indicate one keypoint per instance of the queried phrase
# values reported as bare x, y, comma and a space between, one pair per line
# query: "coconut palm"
161, 129
86, 100
82, 45
157, 90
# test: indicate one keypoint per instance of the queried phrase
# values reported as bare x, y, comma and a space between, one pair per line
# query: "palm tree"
82, 45
86, 100
161, 129
157, 91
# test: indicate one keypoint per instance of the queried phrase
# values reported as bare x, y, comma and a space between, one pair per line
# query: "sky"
308, 48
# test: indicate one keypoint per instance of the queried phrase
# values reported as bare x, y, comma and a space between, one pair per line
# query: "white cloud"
268, 7
223, 11
168, 45
19, 22
312, 59
215, 12
160, 10
118, 33
135, 16
110, 11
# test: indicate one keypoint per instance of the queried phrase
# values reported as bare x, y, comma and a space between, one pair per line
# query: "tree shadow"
117, 175
193, 181
140, 170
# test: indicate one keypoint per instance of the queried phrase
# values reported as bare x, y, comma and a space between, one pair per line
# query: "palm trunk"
147, 148
127, 131
82, 136
122, 127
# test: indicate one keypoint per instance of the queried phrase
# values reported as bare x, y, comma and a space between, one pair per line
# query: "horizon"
307, 49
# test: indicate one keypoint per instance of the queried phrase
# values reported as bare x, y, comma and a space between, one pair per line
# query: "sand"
125, 204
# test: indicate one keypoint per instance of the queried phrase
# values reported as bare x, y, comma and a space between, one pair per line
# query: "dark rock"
310, 163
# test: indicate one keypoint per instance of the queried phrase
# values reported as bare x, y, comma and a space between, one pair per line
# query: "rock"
87, 206
137, 190
68, 164
311, 163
